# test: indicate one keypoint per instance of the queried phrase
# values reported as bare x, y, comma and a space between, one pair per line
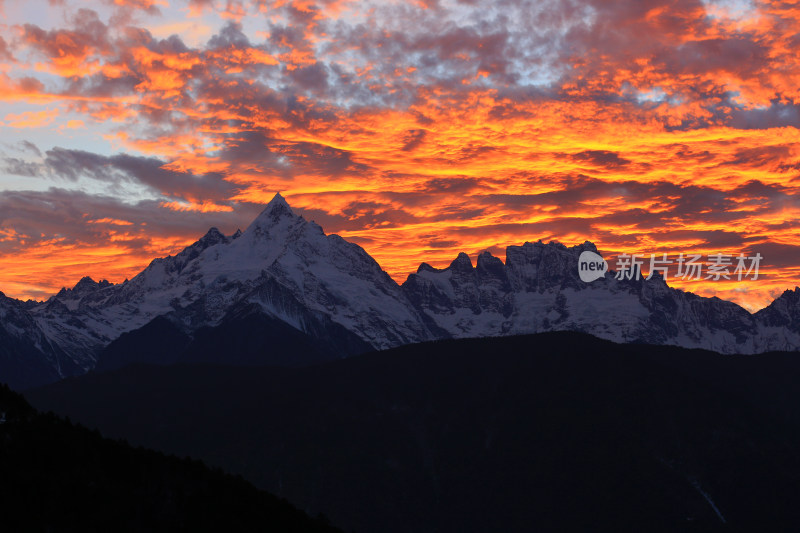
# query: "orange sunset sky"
417, 129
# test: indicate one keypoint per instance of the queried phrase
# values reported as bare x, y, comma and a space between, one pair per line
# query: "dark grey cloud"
230, 35
21, 167
413, 139
601, 158
312, 78
285, 159
30, 147
75, 164
760, 156
439, 243
776, 255
87, 32
360, 215
70, 215
453, 185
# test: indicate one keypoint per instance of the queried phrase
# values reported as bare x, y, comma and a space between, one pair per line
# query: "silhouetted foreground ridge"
59, 477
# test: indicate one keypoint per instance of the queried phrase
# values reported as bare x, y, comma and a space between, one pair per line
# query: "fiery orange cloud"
203, 207
23, 88
110, 221
31, 119
39, 270
666, 127
142, 4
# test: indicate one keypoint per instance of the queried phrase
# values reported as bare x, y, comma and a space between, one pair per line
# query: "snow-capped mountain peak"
461, 263
287, 269
538, 289
281, 263
274, 214
212, 237
784, 312
85, 286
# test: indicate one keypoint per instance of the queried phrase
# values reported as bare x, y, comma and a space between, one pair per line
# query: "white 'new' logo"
591, 266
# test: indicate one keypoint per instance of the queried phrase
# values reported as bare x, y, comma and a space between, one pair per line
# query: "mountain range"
245, 298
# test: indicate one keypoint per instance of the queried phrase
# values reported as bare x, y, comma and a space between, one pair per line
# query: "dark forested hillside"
247, 337
59, 477
549, 432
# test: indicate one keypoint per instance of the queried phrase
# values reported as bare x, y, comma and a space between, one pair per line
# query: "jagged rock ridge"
286, 270
538, 289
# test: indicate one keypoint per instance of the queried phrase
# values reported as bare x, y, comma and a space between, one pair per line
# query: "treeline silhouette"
56, 476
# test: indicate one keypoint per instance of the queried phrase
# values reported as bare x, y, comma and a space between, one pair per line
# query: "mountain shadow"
548, 432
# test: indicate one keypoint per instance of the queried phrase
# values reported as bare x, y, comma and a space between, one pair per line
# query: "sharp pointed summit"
277, 209
283, 270
461, 263
278, 199
212, 237
278, 205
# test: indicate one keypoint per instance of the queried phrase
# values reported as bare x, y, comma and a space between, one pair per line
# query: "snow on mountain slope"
780, 322
324, 272
329, 288
538, 289
329, 276
783, 312
27, 355
18, 324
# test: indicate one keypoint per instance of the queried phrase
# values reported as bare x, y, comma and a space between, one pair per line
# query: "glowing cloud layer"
417, 130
